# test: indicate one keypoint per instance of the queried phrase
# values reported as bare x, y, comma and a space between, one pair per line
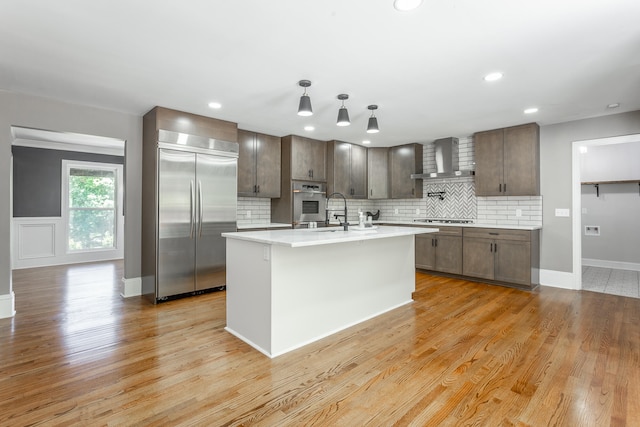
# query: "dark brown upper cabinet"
508, 161
405, 160
307, 157
259, 165
378, 172
347, 169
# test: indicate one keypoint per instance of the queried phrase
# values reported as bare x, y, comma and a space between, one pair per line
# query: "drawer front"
498, 234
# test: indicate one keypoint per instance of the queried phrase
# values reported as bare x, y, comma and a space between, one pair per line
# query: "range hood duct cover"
447, 159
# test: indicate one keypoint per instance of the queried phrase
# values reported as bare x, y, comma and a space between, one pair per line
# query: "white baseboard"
131, 287
558, 279
618, 265
7, 305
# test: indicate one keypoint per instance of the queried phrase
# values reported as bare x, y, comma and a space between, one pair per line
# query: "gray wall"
556, 245
616, 211
37, 179
43, 113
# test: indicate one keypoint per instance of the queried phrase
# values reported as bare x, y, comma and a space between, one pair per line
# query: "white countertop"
324, 236
474, 225
262, 225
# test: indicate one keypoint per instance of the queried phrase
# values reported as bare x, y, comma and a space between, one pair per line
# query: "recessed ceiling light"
531, 110
366, 141
614, 105
406, 5
309, 128
215, 105
492, 77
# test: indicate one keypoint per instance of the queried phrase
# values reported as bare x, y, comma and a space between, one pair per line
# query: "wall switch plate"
248, 214
584, 211
563, 212
417, 211
395, 211
518, 212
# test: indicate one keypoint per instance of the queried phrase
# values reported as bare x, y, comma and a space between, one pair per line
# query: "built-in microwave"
309, 203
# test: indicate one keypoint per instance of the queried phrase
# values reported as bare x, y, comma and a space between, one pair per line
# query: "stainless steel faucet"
345, 224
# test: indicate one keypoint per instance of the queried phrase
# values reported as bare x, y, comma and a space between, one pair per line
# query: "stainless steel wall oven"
309, 203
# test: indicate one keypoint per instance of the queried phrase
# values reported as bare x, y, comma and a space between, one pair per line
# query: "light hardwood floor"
463, 353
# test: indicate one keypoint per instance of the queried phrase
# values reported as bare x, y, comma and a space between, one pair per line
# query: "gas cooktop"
444, 221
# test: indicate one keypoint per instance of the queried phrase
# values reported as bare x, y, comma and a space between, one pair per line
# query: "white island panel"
298, 288
321, 290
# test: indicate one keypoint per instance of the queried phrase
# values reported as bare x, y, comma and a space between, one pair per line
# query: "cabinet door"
308, 159
513, 261
425, 251
358, 172
521, 160
477, 258
448, 254
404, 161
340, 168
246, 163
489, 162
378, 172
268, 166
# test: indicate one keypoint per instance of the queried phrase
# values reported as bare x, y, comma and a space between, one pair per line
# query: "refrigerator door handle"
193, 210
200, 213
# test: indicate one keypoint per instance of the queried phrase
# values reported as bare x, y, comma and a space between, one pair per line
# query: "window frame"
67, 165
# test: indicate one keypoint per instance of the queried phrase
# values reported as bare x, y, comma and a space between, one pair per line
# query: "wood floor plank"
462, 353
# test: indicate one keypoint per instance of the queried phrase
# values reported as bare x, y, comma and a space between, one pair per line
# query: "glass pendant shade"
304, 109
343, 117
372, 127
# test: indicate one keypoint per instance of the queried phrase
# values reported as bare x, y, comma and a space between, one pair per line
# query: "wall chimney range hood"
447, 161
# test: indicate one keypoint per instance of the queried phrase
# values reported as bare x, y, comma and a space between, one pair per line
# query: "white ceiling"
569, 58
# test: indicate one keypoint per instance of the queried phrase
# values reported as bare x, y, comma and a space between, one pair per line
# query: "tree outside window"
91, 208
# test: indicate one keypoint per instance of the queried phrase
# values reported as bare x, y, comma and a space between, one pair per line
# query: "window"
92, 200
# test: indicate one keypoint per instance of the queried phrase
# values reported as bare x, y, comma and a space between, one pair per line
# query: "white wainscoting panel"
37, 240
41, 242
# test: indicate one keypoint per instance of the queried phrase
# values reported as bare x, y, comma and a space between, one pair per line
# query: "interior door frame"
576, 219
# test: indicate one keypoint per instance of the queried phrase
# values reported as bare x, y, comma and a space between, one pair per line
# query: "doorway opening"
578, 227
67, 198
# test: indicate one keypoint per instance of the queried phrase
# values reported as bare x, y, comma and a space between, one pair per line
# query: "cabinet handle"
436, 240
494, 234
500, 188
371, 191
505, 188
258, 188
495, 247
255, 190
433, 244
491, 247
413, 191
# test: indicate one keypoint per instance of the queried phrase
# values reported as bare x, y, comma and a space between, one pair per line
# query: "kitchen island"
288, 288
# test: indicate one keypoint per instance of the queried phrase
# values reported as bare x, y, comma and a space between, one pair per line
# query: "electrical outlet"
248, 214
395, 211
563, 212
518, 212
592, 230
417, 211
584, 211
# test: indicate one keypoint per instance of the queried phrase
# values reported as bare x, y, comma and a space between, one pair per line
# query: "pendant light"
304, 109
372, 126
343, 114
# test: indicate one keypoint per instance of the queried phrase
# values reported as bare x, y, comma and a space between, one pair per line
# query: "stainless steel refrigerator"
196, 184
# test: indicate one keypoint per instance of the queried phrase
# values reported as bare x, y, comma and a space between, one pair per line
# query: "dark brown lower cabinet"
502, 255
440, 251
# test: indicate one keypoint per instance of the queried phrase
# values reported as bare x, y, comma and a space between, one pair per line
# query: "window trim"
67, 165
